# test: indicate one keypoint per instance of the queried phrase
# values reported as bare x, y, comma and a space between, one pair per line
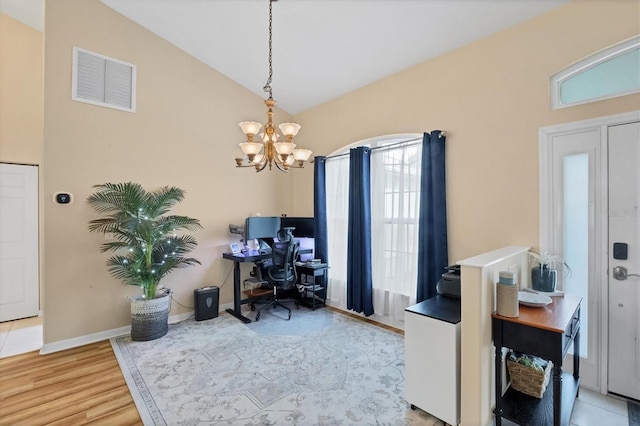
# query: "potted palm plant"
544, 272
146, 246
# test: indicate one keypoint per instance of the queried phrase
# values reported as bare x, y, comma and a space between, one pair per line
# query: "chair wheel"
258, 317
253, 308
289, 316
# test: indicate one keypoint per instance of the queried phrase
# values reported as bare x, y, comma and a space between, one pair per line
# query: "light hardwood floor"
73, 387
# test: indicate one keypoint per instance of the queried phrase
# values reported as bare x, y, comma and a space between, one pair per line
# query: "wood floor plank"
66, 406
11, 368
125, 416
73, 387
42, 377
55, 391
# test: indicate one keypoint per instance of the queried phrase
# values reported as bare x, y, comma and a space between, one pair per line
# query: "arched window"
395, 199
609, 73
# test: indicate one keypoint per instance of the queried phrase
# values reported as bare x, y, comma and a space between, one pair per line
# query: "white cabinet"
432, 357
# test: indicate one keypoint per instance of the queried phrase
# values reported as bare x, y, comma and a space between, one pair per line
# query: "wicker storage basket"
527, 379
149, 317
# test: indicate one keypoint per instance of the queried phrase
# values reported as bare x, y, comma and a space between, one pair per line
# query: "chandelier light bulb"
284, 148
301, 154
250, 128
251, 148
290, 130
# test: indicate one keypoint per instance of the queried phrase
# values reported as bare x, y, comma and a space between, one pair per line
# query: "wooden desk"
546, 332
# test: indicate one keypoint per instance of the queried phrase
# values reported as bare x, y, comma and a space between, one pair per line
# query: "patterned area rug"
319, 368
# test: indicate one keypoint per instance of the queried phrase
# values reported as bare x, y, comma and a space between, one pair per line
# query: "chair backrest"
283, 256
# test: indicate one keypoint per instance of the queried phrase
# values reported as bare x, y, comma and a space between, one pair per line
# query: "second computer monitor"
304, 226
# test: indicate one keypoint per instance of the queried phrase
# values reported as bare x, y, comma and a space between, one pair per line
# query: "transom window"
607, 74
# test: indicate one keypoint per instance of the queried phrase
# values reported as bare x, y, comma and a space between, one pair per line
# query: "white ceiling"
322, 49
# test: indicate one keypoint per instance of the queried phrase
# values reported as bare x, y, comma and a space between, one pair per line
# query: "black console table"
546, 332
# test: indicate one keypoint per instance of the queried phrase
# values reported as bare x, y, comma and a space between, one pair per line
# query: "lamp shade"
284, 148
302, 154
289, 129
251, 148
250, 127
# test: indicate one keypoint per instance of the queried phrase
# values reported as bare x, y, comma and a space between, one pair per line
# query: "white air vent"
104, 81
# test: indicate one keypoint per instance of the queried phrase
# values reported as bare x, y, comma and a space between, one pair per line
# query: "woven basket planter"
528, 380
149, 317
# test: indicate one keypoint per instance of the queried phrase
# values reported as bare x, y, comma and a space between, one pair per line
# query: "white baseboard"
87, 339
74, 342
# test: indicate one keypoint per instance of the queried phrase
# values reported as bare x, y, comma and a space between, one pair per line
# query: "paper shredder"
205, 301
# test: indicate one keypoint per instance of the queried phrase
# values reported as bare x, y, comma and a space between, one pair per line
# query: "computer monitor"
261, 228
305, 226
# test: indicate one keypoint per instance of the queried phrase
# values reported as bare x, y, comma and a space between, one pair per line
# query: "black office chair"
282, 272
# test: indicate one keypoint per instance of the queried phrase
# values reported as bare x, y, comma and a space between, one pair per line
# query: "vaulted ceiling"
322, 49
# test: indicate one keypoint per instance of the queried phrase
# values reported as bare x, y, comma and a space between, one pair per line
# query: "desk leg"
557, 394
498, 385
237, 297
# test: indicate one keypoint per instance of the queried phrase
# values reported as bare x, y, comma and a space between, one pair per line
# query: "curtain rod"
388, 146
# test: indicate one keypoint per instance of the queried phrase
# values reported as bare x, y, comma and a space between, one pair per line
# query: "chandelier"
268, 150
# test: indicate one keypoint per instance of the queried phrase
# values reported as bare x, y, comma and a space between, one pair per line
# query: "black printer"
449, 284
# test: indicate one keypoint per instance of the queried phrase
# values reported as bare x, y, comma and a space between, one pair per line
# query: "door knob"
620, 273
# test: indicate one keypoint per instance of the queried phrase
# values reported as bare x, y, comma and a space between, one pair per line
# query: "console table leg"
498, 385
576, 359
557, 394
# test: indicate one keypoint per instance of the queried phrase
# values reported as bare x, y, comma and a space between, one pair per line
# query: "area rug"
319, 368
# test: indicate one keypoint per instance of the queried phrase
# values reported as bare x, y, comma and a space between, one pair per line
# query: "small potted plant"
146, 246
544, 272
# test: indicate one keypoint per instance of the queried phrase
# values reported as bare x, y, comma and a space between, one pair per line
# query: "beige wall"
491, 96
21, 92
182, 134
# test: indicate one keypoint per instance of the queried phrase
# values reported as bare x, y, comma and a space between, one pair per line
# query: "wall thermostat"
62, 198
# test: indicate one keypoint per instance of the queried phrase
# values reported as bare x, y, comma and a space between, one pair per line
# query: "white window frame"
590, 62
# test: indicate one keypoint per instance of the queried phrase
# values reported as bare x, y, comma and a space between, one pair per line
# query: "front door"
624, 260
19, 289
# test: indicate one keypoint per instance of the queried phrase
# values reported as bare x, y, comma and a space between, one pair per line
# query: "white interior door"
19, 288
624, 260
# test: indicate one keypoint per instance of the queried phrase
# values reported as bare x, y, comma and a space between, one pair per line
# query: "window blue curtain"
432, 240
321, 250
359, 283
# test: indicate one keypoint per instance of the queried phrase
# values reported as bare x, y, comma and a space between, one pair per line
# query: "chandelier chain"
267, 87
